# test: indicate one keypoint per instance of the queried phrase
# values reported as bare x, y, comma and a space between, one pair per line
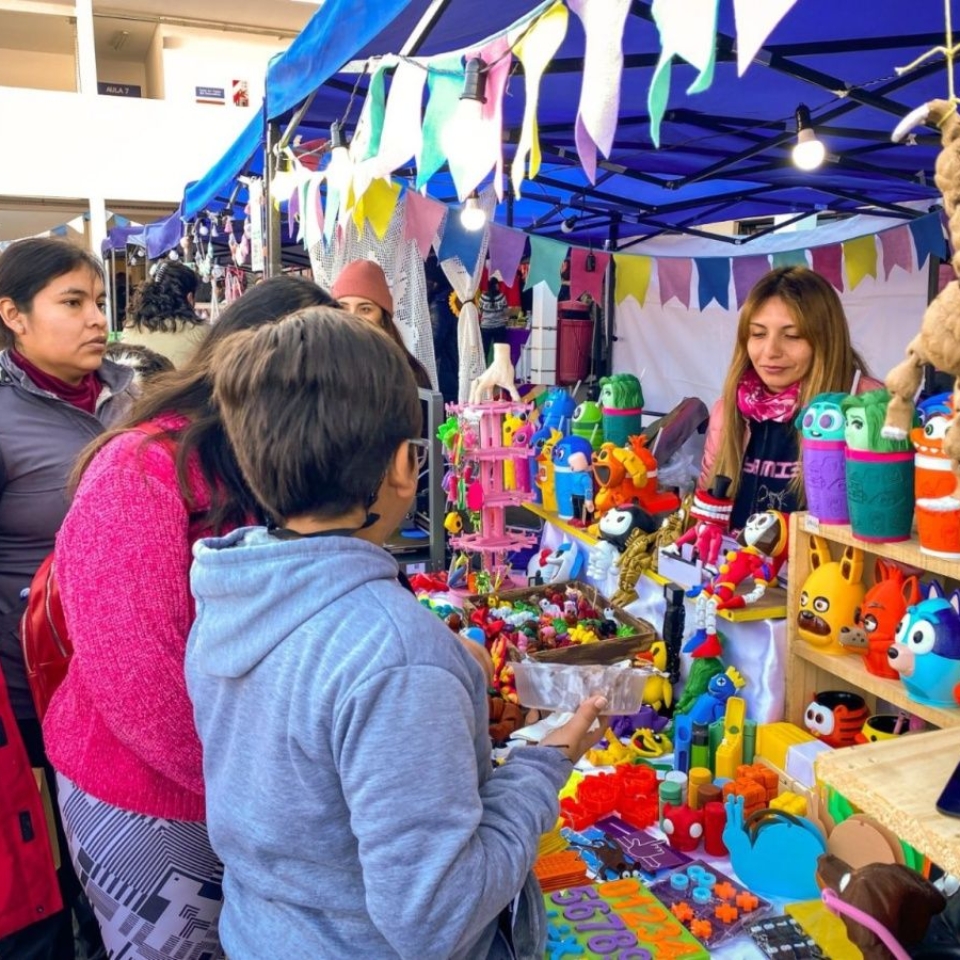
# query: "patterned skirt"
155, 885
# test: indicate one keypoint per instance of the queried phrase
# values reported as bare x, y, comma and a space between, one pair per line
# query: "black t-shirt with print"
770, 463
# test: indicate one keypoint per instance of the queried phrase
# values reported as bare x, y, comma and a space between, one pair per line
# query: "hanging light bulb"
459, 133
284, 178
809, 152
339, 168
569, 224
472, 215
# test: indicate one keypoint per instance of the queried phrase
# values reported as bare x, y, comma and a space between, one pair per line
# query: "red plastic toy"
683, 827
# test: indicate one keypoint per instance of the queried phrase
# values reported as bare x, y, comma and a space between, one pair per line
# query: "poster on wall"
214, 95
241, 93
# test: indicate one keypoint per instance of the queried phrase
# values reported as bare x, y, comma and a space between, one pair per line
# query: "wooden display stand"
810, 670
896, 781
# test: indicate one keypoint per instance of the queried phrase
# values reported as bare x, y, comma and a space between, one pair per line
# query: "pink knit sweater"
121, 725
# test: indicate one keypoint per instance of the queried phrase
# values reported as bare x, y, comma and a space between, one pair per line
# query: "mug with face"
64, 331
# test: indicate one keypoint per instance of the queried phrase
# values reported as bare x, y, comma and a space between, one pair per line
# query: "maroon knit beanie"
364, 278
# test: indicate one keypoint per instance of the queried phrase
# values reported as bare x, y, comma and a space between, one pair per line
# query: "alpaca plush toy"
938, 341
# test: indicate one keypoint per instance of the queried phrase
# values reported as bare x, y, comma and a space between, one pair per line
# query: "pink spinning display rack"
494, 540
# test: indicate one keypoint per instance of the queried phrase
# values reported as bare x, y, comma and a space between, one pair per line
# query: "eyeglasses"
422, 448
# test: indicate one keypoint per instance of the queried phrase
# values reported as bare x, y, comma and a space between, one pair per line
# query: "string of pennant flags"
690, 280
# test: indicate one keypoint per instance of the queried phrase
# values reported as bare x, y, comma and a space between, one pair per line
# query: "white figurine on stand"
499, 374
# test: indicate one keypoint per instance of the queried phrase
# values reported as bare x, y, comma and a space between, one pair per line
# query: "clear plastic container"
564, 686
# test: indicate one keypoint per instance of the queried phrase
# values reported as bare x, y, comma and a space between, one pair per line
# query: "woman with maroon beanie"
57, 393
362, 290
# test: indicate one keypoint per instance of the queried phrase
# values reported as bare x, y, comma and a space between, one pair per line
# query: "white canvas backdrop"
685, 352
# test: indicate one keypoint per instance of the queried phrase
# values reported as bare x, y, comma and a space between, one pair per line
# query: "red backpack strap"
28, 878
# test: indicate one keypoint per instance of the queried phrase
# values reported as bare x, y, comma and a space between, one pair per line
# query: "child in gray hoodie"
350, 788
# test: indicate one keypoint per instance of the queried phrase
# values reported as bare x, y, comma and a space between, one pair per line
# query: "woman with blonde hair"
793, 342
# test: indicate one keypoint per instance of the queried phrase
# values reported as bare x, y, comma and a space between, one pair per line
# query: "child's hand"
479, 653
580, 732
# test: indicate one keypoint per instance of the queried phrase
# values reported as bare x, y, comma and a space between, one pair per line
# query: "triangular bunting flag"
755, 21
927, 233
422, 220
789, 258
505, 251
688, 29
546, 262
632, 277
603, 23
860, 257
445, 83
746, 272
461, 243
379, 202
587, 281
714, 281
828, 262
535, 49
897, 247
674, 275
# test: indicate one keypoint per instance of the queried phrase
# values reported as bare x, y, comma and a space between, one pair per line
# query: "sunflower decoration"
456, 304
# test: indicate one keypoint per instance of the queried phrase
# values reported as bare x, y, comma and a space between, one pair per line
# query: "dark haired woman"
361, 288
120, 729
56, 395
162, 316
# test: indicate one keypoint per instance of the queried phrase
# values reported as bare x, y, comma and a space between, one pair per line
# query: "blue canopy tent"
725, 152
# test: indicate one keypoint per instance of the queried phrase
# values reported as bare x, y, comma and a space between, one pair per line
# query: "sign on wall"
119, 90
241, 93
214, 95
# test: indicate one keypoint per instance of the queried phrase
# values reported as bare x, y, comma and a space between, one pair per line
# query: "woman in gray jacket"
56, 395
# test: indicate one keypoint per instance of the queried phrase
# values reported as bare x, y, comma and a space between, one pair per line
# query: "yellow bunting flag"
379, 202
535, 50
860, 258
633, 277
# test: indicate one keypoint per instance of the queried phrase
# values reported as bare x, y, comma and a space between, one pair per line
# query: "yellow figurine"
648, 744
657, 691
545, 476
512, 422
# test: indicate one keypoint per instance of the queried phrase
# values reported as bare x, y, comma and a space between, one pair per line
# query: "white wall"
122, 71
686, 352
113, 147
43, 71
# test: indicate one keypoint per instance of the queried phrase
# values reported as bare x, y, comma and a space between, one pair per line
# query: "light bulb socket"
803, 118
336, 136
475, 80
590, 262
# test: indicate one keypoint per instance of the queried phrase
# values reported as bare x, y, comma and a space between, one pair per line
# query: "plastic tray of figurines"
607, 650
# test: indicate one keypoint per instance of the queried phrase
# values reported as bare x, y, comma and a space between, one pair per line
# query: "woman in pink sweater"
120, 729
793, 343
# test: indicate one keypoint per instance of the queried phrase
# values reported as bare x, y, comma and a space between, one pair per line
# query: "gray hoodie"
350, 789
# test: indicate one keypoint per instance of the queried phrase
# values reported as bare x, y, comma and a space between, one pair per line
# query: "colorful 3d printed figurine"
875, 621
836, 717
618, 528
710, 512
823, 447
573, 478
543, 467
763, 551
938, 510
621, 398
879, 472
926, 652
588, 423
830, 595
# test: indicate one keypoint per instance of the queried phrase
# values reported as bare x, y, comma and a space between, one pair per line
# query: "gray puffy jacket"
40, 438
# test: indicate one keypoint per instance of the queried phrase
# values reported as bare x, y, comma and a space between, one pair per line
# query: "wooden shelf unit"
897, 782
809, 670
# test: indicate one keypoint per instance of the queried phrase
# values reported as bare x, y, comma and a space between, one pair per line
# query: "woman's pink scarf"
756, 402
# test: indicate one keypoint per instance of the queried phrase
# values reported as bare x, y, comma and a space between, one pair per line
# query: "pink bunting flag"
674, 274
746, 272
897, 246
583, 280
422, 221
505, 248
828, 262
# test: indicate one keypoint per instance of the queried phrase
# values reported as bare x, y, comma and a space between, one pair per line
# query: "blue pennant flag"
789, 258
928, 237
714, 281
459, 242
